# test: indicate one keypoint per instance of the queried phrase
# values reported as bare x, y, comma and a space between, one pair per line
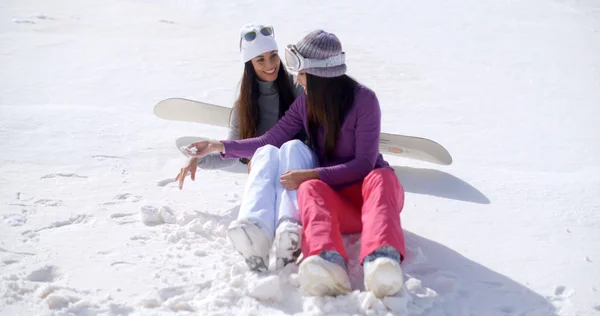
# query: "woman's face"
267, 66
301, 79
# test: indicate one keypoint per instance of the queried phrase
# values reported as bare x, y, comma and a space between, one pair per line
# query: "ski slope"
91, 224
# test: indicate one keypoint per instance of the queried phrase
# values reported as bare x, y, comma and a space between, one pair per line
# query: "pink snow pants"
372, 207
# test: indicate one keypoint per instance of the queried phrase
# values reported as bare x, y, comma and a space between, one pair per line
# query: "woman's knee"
384, 179
312, 188
313, 185
298, 154
311, 198
386, 176
268, 151
295, 146
293, 143
265, 158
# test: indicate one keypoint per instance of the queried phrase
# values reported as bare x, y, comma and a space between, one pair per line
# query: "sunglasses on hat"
250, 35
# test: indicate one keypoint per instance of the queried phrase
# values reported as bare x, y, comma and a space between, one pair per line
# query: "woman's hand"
190, 167
292, 180
202, 148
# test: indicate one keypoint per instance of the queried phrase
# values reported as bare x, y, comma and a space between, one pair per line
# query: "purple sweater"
357, 150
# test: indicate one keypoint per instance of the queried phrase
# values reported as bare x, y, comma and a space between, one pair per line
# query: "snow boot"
383, 274
288, 239
251, 242
324, 275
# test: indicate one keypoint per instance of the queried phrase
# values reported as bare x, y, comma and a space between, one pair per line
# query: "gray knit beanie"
321, 45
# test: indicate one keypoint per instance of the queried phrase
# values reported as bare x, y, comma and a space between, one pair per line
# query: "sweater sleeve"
285, 129
215, 160
367, 134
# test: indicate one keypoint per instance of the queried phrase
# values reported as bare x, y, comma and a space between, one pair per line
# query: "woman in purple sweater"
353, 190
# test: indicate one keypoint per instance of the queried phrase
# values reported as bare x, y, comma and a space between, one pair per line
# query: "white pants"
265, 201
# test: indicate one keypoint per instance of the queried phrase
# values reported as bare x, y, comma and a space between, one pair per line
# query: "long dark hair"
328, 100
247, 102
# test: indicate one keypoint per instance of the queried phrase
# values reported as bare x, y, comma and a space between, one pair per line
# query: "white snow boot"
321, 277
251, 242
383, 274
288, 239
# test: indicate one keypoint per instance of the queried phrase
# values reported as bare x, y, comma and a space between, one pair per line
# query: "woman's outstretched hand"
191, 168
202, 148
195, 151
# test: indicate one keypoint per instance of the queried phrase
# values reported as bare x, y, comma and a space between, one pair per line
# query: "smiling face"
267, 65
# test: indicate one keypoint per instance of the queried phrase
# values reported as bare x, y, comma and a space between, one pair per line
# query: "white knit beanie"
260, 45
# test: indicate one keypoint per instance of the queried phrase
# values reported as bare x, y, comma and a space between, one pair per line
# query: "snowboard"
178, 109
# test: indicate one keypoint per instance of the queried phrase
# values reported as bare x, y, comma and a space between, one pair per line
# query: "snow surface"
91, 223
